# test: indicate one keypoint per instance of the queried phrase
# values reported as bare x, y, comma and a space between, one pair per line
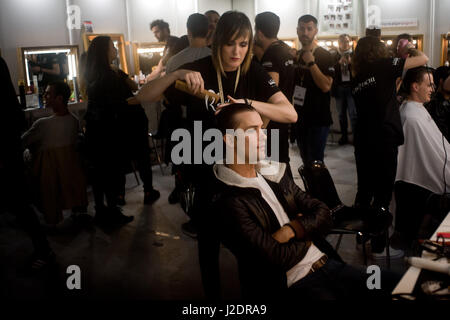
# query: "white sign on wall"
399, 23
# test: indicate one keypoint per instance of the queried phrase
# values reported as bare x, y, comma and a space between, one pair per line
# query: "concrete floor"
150, 258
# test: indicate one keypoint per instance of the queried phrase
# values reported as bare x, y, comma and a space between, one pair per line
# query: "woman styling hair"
378, 127
231, 74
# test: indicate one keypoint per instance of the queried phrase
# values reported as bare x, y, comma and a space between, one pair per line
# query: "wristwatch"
310, 64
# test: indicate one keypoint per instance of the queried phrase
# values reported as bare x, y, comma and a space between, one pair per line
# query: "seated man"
274, 229
423, 168
60, 181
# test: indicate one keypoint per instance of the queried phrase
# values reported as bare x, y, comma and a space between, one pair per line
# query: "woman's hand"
231, 101
193, 80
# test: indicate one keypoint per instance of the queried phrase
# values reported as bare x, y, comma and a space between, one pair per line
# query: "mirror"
47, 64
445, 49
331, 42
147, 55
118, 42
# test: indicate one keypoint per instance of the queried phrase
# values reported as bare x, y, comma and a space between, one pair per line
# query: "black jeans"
340, 281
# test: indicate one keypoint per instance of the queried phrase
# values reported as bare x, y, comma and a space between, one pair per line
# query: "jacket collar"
272, 171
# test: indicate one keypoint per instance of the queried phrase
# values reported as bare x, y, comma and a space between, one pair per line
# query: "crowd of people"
276, 231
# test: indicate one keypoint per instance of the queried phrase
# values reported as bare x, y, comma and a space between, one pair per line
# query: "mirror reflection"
147, 56
43, 65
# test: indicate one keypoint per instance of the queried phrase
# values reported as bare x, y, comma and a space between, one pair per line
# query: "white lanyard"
219, 81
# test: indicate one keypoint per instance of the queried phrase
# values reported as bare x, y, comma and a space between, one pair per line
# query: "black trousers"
106, 156
15, 198
136, 146
376, 166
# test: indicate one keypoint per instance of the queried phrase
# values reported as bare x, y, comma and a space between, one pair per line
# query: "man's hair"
62, 89
197, 24
268, 23
212, 11
227, 117
373, 32
232, 25
345, 35
368, 50
161, 24
414, 75
307, 18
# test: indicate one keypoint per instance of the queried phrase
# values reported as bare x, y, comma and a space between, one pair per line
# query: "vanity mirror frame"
144, 45
118, 37
21, 59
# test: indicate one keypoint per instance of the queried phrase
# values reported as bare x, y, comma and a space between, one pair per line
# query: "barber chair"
347, 220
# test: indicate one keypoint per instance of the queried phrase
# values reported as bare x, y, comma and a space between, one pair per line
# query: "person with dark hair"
373, 31
213, 17
314, 77
341, 89
230, 72
421, 159
59, 179
107, 94
197, 29
378, 127
279, 63
15, 197
439, 106
275, 230
161, 31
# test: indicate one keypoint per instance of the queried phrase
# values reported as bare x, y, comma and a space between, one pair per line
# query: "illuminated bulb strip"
47, 51
27, 72
149, 50
69, 61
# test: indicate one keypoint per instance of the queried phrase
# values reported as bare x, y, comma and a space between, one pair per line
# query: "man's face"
160, 34
250, 125
344, 43
212, 21
424, 89
306, 32
50, 99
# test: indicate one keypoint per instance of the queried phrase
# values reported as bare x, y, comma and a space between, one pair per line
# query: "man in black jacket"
274, 229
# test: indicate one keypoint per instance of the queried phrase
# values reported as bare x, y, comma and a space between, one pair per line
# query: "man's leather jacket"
246, 224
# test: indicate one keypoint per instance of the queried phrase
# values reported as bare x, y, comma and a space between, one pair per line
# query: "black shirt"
277, 59
256, 84
374, 91
439, 109
342, 71
316, 107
